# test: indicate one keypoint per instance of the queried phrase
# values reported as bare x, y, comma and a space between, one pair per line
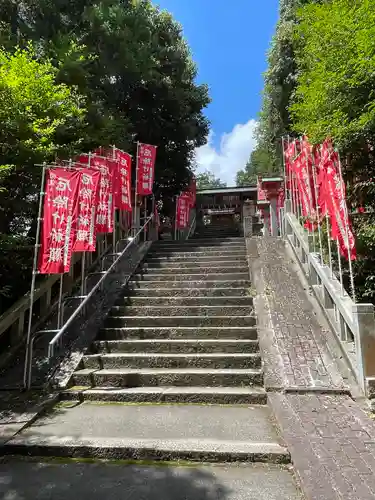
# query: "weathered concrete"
116, 481
179, 332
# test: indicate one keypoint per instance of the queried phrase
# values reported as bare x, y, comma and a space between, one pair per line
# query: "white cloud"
232, 155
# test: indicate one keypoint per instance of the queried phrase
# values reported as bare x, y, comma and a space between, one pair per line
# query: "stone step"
199, 254
189, 292
182, 395
159, 300
198, 246
187, 310
180, 264
178, 332
157, 360
197, 283
197, 259
190, 277
127, 377
202, 241
205, 270
176, 346
173, 321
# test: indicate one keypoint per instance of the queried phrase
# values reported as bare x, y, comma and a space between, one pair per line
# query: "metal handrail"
57, 337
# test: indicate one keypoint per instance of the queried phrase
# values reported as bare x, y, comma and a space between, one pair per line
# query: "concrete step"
158, 360
189, 292
159, 300
175, 346
192, 264
210, 284
205, 270
187, 310
199, 246
190, 277
196, 259
127, 377
110, 481
178, 332
207, 433
174, 321
199, 254
181, 395
203, 241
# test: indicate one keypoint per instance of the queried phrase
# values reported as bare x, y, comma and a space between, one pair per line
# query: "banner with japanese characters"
104, 209
88, 196
59, 214
182, 211
123, 181
145, 168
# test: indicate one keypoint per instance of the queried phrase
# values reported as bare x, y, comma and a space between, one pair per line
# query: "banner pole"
26, 384
340, 268
317, 208
113, 208
145, 218
309, 191
83, 259
347, 231
284, 165
135, 192
329, 244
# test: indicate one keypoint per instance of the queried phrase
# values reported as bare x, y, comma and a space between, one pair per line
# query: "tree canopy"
78, 75
208, 180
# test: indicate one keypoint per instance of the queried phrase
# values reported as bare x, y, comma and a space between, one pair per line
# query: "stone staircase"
175, 375
186, 332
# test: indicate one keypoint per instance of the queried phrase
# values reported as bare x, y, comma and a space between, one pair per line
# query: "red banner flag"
104, 210
145, 168
88, 196
193, 191
182, 211
59, 214
123, 181
334, 199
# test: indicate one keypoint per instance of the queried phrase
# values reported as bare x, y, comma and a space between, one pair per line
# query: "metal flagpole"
310, 194
285, 180
59, 305
340, 268
317, 209
292, 190
329, 244
113, 209
135, 192
33, 276
347, 231
145, 218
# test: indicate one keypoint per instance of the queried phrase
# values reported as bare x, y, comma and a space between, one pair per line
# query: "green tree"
259, 163
208, 180
33, 112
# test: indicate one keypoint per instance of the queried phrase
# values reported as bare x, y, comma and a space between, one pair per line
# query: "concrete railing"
354, 324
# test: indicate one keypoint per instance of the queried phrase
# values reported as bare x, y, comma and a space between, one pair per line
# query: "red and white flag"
104, 210
59, 215
145, 168
88, 196
182, 211
123, 181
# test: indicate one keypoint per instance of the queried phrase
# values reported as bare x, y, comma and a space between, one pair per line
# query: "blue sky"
229, 41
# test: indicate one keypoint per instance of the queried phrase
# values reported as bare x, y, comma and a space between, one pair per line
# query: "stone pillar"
363, 318
273, 217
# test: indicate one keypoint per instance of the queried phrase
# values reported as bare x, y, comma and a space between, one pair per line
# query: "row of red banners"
314, 178
80, 201
184, 204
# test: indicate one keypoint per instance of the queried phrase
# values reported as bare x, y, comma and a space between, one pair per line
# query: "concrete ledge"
148, 449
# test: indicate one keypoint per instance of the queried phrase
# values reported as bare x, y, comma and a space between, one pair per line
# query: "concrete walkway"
330, 437
115, 481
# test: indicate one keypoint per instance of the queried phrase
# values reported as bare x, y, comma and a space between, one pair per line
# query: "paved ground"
44, 481
299, 338
330, 438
